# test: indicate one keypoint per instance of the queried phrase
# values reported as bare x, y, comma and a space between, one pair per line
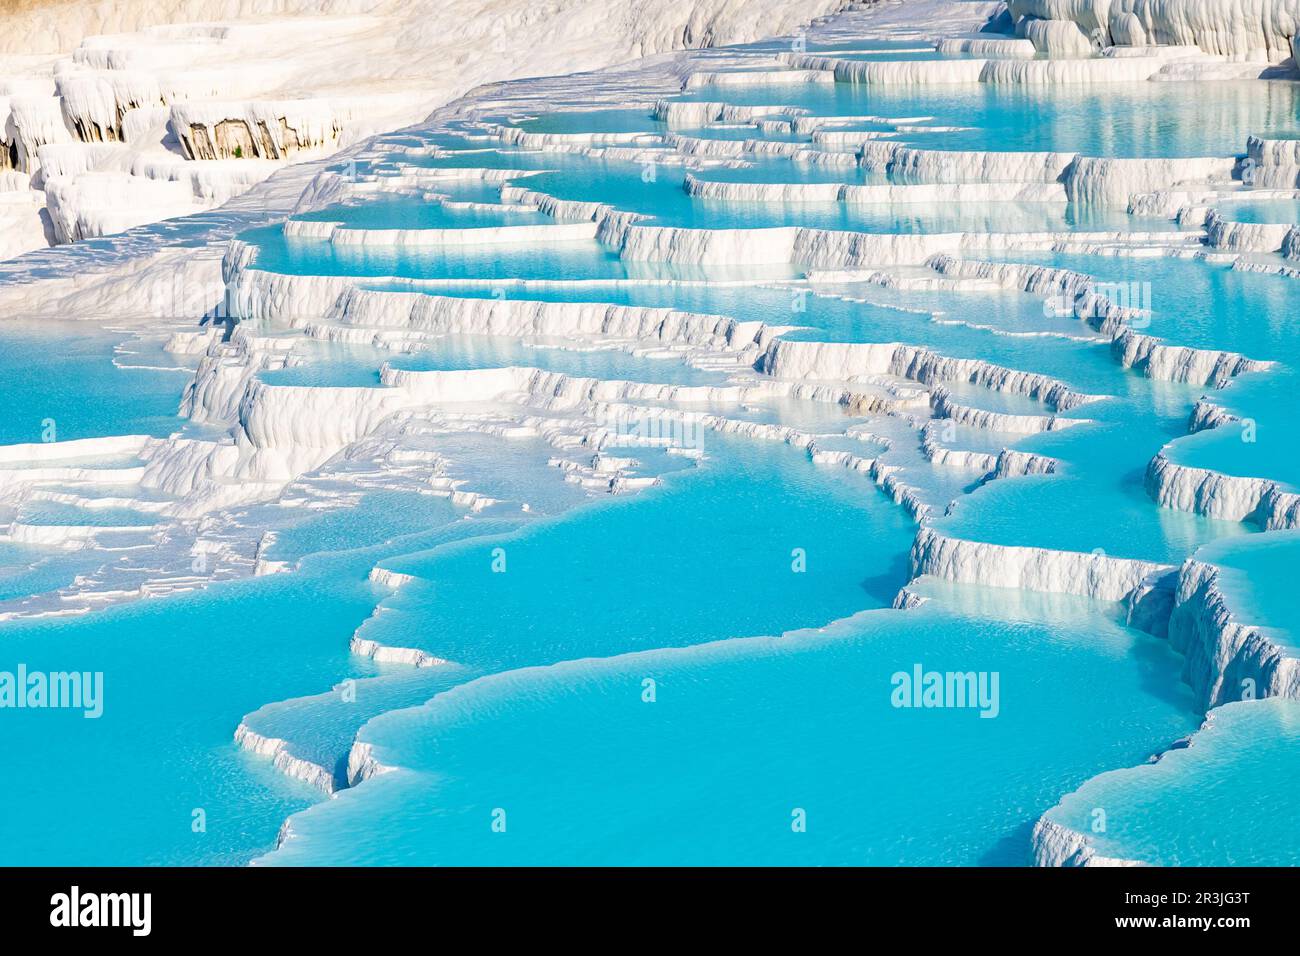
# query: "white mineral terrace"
171, 151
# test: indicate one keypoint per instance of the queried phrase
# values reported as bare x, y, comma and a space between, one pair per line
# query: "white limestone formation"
252, 82
1243, 29
1214, 494
1055, 845
1034, 569
1224, 658
283, 759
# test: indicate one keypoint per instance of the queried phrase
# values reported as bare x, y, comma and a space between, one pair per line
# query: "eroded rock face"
252, 138
1043, 570
1059, 37
260, 82
95, 105
1235, 28
1223, 655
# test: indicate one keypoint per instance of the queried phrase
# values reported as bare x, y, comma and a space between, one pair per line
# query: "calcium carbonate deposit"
878, 412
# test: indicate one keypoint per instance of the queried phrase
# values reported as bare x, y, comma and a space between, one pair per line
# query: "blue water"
413, 213
1117, 119
642, 572
1258, 446
162, 748
33, 570
1212, 306
1247, 209
744, 733
359, 366
577, 259
1254, 575
1216, 803
37, 405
